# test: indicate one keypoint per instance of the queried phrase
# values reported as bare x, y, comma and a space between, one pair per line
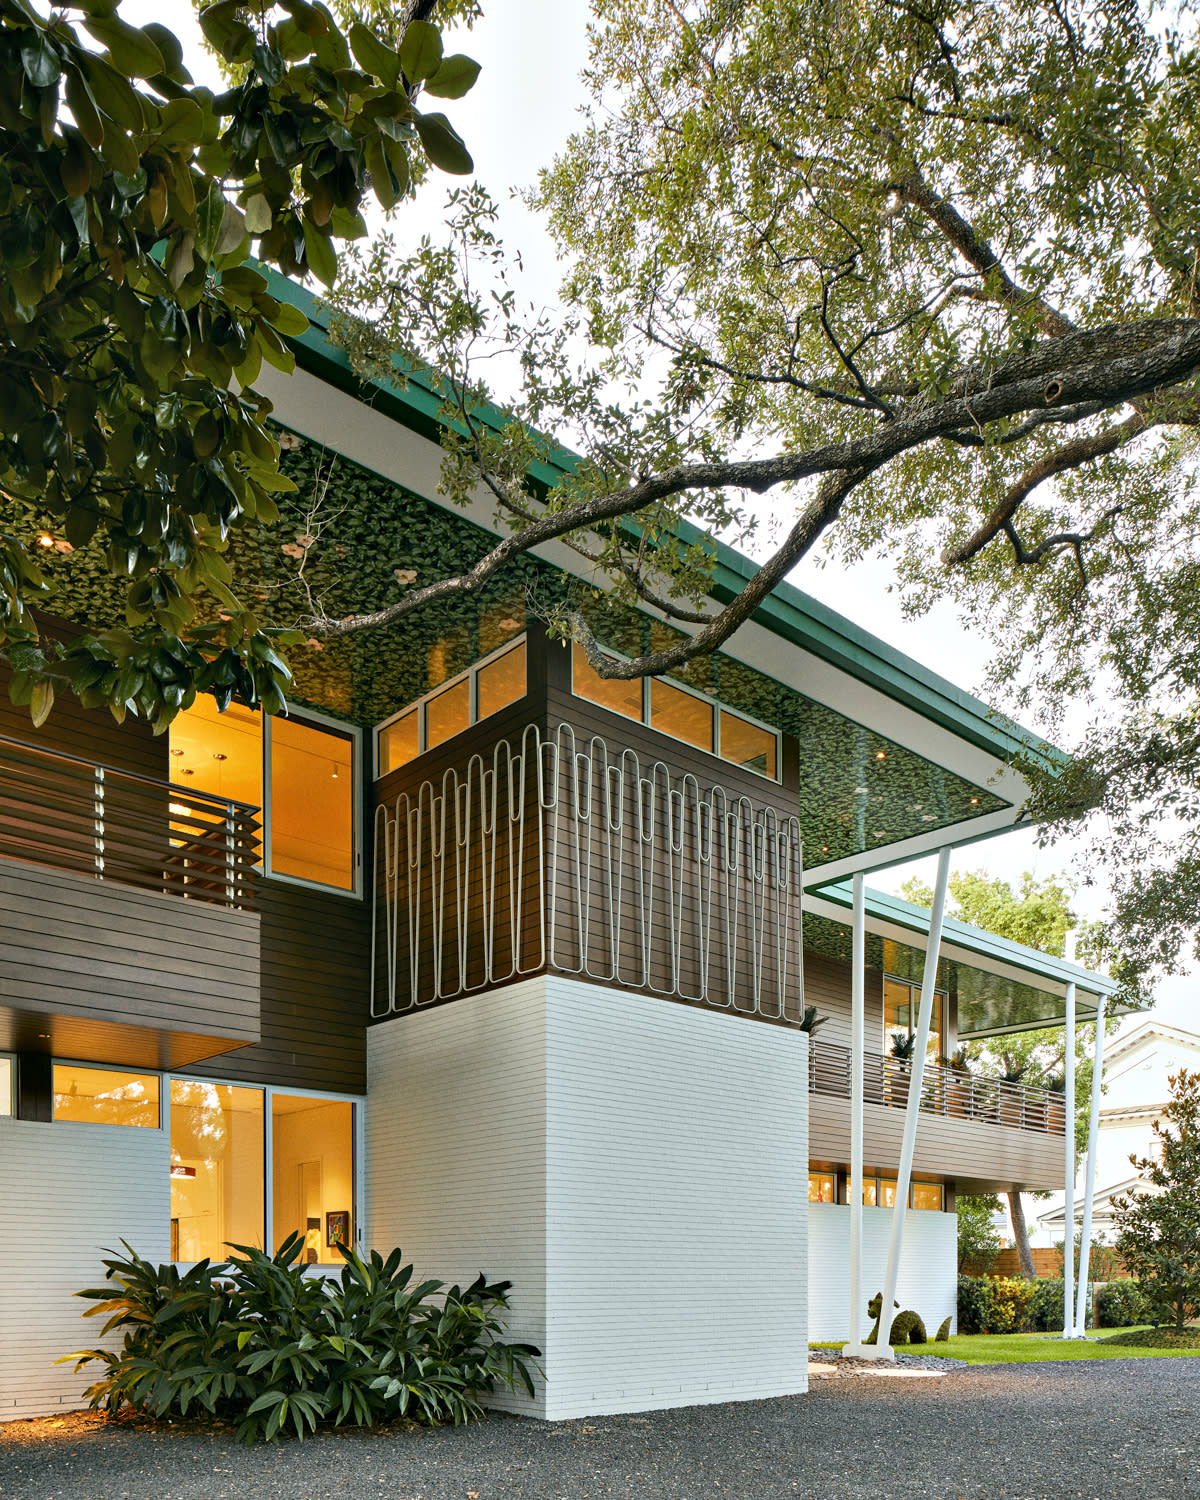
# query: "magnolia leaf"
233, 228
258, 214
443, 145
319, 252
454, 78
420, 51
373, 55
129, 47
83, 107
41, 701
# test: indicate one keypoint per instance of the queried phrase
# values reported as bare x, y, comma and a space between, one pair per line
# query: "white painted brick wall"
677, 1171
69, 1192
456, 1129
624, 1160
928, 1280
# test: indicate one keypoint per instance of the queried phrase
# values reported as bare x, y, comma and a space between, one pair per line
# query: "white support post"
858, 1026
916, 1083
1089, 1186
1069, 1154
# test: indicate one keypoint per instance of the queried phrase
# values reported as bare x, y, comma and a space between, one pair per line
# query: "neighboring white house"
1137, 1067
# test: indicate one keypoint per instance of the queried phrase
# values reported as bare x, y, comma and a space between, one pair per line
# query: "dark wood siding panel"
827, 986
77, 946
979, 1157
314, 986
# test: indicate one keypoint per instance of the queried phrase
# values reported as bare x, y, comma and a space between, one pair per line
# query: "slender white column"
1089, 1185
915, 1084
1069, 1155
858, 1026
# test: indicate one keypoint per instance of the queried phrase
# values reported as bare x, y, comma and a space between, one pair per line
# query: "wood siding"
314, 993
104, 972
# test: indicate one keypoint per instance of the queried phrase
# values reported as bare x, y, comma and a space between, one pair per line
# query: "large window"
105, 1096
901, 1009
302, 774
880, 1192
7, 1084
252, 1165
683, 714
822, 1187
482, 690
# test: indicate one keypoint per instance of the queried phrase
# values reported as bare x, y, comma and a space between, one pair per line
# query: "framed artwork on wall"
337, 1227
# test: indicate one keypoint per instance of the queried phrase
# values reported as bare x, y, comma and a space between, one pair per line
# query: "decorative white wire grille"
572, 857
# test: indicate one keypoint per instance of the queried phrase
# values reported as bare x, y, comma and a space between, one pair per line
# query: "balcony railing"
944, 1091
72, 814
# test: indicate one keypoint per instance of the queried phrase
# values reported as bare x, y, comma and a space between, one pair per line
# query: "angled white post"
1069, 1153
916, 1083
1089, 1185
858, 1026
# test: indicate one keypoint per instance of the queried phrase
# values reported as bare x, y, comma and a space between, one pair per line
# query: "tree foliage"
978, 1240
1158, 1228
132, 328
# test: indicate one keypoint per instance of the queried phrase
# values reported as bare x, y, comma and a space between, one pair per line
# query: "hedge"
1009, 1304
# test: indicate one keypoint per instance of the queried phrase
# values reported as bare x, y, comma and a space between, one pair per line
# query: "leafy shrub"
255, 1341
1121, 1304
975, 1300
1011, 1303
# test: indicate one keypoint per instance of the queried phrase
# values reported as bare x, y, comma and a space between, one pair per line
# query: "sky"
524, 106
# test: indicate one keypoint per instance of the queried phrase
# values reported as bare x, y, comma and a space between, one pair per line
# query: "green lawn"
1028, 1348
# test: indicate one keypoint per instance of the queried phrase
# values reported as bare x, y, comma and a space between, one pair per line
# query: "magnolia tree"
1158, 1227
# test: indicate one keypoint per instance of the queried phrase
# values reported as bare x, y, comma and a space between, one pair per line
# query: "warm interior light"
881, 755
175, 750
181, 1171
45, 539
180, 810
974, 801
219, 755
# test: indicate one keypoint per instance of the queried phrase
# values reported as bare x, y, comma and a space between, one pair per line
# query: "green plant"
810, 1020
1122, 1304
1158, 1232
256, 1341
903, 1045
978, 1240
943, 1334
908, 1327
976, 1297
1011, 1300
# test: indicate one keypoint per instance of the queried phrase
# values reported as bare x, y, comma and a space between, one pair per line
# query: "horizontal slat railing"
945, 1091
72, 814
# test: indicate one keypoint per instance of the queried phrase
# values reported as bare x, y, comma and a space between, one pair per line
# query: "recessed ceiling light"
217, 755
175, 750
974, 801
45, 539
881, 755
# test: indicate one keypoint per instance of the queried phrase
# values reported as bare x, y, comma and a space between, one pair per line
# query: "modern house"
480, 954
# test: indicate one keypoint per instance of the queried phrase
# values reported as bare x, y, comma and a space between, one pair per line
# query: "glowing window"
312, 1174
219, 753
312, 803
6, 1085
500, 682
618, 697
681, 715
927, 1195
901, 1010
821, 1187
102, 1096
749, 745
217, 1169
399, 742
448, 713
887, 1192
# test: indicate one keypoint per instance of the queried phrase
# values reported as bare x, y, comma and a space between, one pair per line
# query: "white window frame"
419, 705
348, 731
718, 708
102, 1067
269, 1090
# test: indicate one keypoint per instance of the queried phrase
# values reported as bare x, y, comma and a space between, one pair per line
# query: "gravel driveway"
1119, 1428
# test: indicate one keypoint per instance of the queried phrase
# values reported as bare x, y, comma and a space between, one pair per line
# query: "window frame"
941, 999
718, 708
347, 731
418, 705
10, 1113
102, 1067
358, 1208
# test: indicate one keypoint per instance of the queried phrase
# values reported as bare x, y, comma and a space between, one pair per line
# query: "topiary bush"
1121, 1304
943, 1334
908, 1328
256, 1342
975, 1302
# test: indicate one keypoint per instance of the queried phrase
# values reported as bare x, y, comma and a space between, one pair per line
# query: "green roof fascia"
787, 612
900, 913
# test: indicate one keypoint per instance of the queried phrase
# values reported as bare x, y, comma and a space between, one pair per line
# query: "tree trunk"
1016, 1212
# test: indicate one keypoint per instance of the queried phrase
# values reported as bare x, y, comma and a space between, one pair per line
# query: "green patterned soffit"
987, 1003
860, 791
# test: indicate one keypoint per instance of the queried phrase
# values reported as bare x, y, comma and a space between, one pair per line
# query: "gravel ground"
1103, 1430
